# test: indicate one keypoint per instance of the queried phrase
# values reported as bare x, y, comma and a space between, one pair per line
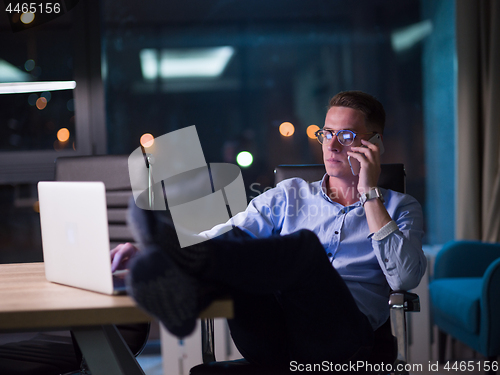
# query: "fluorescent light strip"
9, 73
406, 38
149, 63
200, 62
27, 87
207, 62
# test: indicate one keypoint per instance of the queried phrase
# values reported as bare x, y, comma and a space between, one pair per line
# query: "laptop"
75, 238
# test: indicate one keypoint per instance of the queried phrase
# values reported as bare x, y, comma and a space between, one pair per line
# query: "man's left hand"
121, 255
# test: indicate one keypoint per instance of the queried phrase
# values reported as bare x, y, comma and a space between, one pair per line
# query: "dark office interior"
274, 62
288, 58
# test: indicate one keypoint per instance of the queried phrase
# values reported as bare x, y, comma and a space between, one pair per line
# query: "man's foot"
164, 278
157, 228
151, 227
164, 291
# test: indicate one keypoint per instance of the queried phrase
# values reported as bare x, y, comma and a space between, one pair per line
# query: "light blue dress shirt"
370, 267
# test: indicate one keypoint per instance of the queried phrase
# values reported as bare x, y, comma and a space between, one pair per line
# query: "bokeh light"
147, 140
29, 65
244, 159
70, 105
32, 99
287, 129
311, 129
27, 18
41, 103
47, 95
63, 135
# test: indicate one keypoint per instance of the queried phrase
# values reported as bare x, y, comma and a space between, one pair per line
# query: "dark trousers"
290, 304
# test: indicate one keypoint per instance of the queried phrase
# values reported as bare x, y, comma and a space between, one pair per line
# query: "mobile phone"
354, 163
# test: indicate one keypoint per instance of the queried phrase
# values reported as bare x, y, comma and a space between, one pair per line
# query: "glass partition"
255, 78
44, 89
278, 62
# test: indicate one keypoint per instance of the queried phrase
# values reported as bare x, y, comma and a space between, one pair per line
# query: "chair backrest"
392, 176
113, 171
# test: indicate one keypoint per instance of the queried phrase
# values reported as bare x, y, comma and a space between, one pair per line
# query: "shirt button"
329, 254
386, 260
336, 232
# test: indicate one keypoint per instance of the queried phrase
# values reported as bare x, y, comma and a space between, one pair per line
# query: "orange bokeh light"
287, 129
41, 103
147, 140
63, 135
311, 129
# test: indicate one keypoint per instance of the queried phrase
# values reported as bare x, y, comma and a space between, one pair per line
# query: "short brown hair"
373, 110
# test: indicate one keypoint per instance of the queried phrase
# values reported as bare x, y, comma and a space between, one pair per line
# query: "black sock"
160, 288
157, 228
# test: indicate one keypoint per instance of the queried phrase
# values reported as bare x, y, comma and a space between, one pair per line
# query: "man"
309, 266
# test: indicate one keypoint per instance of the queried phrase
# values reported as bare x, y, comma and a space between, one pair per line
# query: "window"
45, 71
50, 117
284, 60
237, 70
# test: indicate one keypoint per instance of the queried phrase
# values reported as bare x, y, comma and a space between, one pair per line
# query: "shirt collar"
323, 188
323, 191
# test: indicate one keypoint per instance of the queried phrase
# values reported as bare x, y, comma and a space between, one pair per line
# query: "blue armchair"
465, 296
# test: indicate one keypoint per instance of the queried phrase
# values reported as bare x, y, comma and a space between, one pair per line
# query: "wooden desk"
29, 302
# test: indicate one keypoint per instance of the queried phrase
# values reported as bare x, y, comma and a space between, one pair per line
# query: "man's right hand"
121, 256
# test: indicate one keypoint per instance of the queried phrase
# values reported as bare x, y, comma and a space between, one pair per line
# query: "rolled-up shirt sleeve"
400, 253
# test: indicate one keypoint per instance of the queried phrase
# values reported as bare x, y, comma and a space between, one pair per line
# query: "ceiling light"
207, 62
10, 73
406, 38
25, 87
149, 63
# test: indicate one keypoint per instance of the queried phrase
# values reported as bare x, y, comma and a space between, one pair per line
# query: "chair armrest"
207, 340
490, 310
221, 308
400, 302
408, 301
465, 259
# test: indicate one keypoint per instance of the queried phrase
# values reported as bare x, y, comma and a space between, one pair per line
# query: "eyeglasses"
345, 137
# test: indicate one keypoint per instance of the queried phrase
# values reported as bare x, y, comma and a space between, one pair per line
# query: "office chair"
390, 339
51, 354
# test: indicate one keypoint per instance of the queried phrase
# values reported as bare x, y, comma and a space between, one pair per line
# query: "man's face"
334, 153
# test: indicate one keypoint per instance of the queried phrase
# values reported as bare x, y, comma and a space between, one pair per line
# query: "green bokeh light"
244, 159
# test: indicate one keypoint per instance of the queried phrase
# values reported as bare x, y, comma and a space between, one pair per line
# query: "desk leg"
105, 351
